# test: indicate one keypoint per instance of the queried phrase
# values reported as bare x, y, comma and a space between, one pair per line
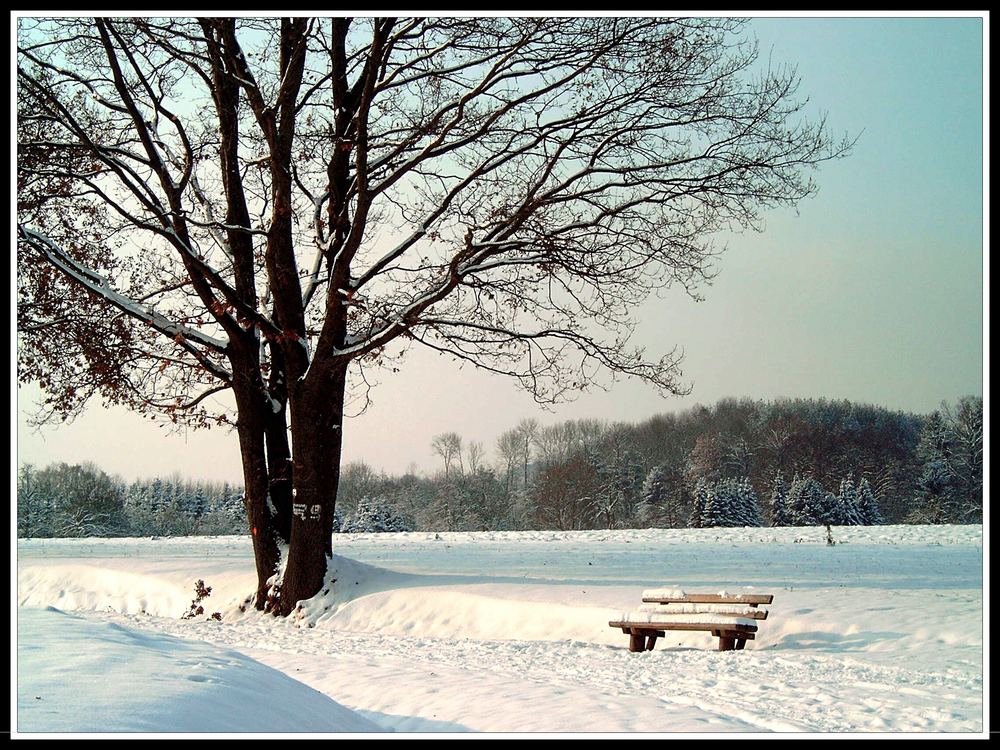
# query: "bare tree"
276, 207
620, 476
449, 447
357, 480
527, 432
564, 495
556, 442
476, 453
508, 451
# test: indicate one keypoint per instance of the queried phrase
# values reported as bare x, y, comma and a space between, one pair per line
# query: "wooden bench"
732, 618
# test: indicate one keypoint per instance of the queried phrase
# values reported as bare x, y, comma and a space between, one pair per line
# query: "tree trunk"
255, 481
317, 418
253, 411
279, 466
279, 458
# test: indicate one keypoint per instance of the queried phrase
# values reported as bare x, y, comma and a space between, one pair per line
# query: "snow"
77, 675
664, 594
700, 618
508, 631
685, 608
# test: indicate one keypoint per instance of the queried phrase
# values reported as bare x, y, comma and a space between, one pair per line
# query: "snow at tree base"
507, 632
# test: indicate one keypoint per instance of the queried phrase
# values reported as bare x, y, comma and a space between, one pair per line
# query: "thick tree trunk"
255, 481
279, 456
251, 424
279, 465
317, 417
265, 547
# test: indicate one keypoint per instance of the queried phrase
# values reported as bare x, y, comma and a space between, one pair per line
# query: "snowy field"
507, 632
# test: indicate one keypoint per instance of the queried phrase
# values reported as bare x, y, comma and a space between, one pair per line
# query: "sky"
872, 290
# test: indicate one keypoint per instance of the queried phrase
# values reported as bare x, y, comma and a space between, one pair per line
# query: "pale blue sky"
873, 291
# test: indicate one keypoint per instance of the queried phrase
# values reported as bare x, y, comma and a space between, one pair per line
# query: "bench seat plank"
744, 630
712, 620
698, 609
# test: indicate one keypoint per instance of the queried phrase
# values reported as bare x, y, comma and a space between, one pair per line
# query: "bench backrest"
652, 597
676, 604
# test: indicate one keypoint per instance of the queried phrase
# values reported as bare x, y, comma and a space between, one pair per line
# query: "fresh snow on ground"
80, 675
508, 632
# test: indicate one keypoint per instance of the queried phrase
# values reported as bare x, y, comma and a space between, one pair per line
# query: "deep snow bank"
75, 675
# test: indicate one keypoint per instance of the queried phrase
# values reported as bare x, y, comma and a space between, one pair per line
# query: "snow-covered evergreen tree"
234, 507
779, 495
700, 500
652, 506
849, 509
826, 511
158, 496
807, 503
748, 505
795, 501
871, 514
196, 502
138, 509
731, 503
134, 498
654, 488
716, 509
375, 515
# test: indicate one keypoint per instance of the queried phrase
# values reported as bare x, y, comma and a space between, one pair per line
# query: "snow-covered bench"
732, 618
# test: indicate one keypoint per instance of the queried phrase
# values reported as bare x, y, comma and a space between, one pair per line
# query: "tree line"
738, 463
63, 500
741, 462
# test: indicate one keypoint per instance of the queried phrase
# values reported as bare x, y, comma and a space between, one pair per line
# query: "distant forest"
738, 463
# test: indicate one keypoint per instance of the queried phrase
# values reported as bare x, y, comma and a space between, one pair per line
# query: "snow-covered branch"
184, 336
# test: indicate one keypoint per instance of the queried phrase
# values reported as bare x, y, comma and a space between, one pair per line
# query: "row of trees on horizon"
737, 463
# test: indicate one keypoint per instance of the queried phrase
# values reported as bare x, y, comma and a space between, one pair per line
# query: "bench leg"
726, 643
636, 642
740, 643
650, 642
